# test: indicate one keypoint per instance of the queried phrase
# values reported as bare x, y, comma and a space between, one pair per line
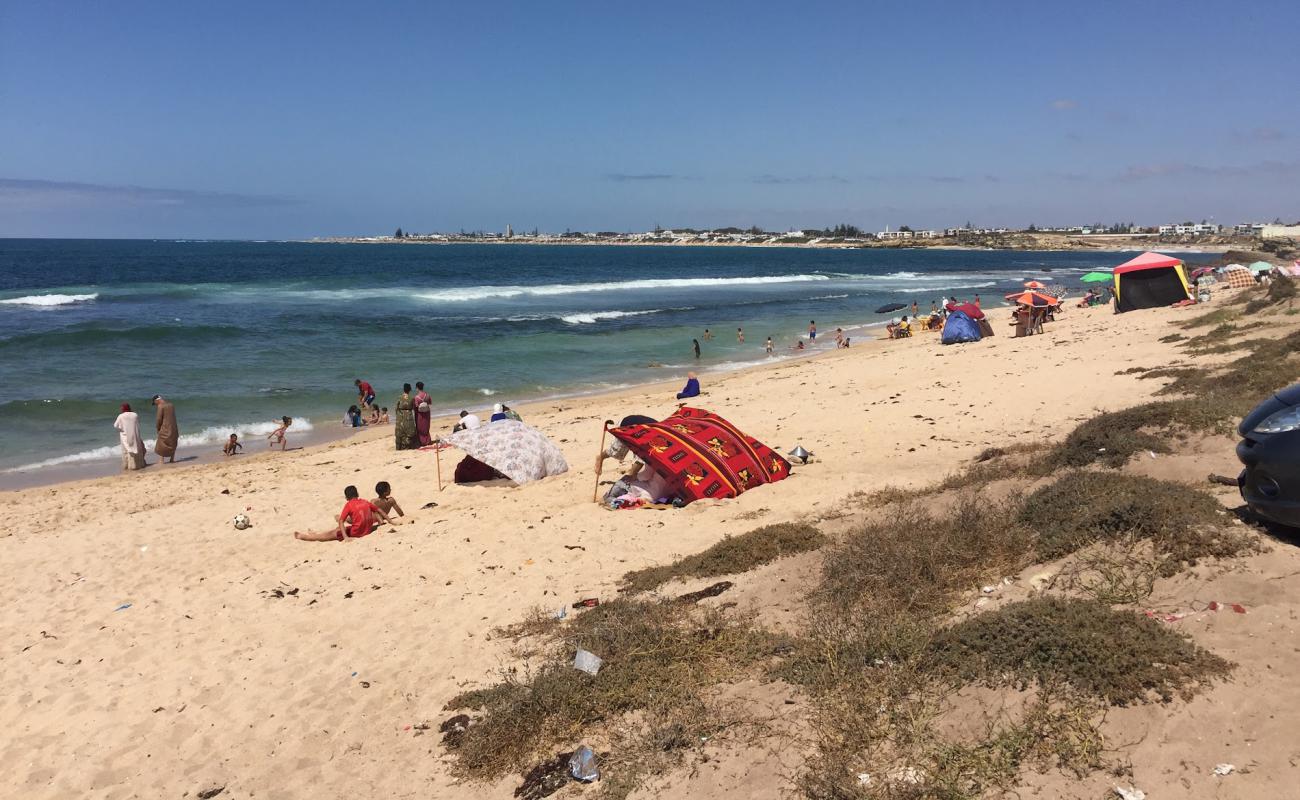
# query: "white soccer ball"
242, 522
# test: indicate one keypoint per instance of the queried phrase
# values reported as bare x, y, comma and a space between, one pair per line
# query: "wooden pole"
437, 457
600, 456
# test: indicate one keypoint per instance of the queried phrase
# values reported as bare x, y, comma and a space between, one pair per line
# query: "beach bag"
423, 408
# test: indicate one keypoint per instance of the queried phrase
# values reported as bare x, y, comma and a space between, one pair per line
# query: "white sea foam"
207, 436
50, 299
466, 293
487, 392
597, 316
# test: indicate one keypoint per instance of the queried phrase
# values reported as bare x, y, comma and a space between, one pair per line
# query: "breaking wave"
467, 293
50, 299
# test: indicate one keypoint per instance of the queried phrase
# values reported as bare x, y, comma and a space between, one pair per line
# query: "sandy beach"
156, 651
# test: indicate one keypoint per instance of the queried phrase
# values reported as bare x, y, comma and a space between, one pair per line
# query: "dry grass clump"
1281, 289
1113, 437
651, 699
992, 464
1115, 572
1173, 337
1117, 656
1219, 316
732, 555
1049, 735
914, 562
1210, 400
1183, 524
869, 666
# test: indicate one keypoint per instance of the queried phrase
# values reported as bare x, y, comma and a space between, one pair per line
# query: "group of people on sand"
169, 435
901, 327
359, 517
128, 432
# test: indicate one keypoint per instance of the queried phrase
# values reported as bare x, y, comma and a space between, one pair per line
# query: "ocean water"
239, 333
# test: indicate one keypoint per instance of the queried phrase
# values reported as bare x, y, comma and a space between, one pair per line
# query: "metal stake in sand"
600, 459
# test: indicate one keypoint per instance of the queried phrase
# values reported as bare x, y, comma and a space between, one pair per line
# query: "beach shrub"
732, 555
914, 562
1281, 289
992, 464
651, 699
1117, 656
1219, 316
1113, 437
1080, 508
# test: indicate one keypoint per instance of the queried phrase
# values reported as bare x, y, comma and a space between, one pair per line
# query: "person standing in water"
768, 346
696, 344
740, 335
812, 330
707, 334
365, 393
169, 434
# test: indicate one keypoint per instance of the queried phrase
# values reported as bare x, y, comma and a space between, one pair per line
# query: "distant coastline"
1011, 241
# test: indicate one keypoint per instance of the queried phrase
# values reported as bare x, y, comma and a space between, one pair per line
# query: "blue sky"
284, 119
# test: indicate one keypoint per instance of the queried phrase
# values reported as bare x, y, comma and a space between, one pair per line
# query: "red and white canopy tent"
1150, 280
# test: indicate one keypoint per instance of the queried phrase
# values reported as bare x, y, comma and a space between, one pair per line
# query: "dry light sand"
208, 679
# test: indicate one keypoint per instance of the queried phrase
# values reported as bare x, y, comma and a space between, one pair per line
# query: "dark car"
1270, 449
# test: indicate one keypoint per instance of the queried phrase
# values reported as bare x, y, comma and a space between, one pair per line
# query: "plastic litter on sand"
1224, 769
582, 765
587, 662
1130, 794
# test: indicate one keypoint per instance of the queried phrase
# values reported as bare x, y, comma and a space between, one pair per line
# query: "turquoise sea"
240, 333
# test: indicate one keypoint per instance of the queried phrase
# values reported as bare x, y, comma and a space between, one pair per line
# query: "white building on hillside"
1200, 229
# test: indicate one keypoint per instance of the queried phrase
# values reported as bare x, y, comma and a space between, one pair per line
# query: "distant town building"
510, 232
1248, 228
964, 231
1281, 231
906, 233
1201, 229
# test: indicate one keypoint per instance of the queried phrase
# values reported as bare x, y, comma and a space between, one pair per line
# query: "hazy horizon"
301, 120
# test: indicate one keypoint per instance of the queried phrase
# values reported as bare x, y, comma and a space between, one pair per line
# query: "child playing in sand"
383, 415
358, 518
374, 416
277, 435
385, 501
232, 445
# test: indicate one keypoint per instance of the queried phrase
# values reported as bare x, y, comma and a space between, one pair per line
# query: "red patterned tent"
702, 455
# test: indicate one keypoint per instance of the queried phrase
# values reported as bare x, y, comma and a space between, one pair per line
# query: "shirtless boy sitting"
385, 501
358, 518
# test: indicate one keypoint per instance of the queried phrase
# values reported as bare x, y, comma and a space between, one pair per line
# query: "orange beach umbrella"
1034, 299
1035, 285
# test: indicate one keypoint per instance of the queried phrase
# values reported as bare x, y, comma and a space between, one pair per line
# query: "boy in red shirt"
358, 518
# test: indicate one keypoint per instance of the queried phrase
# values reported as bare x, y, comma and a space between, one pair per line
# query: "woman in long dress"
423, 410
128, 430
169, 434
404, 423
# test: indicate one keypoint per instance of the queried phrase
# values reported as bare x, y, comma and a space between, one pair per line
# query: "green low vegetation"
651, 701
1080, 508
1083, 645
732, 555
